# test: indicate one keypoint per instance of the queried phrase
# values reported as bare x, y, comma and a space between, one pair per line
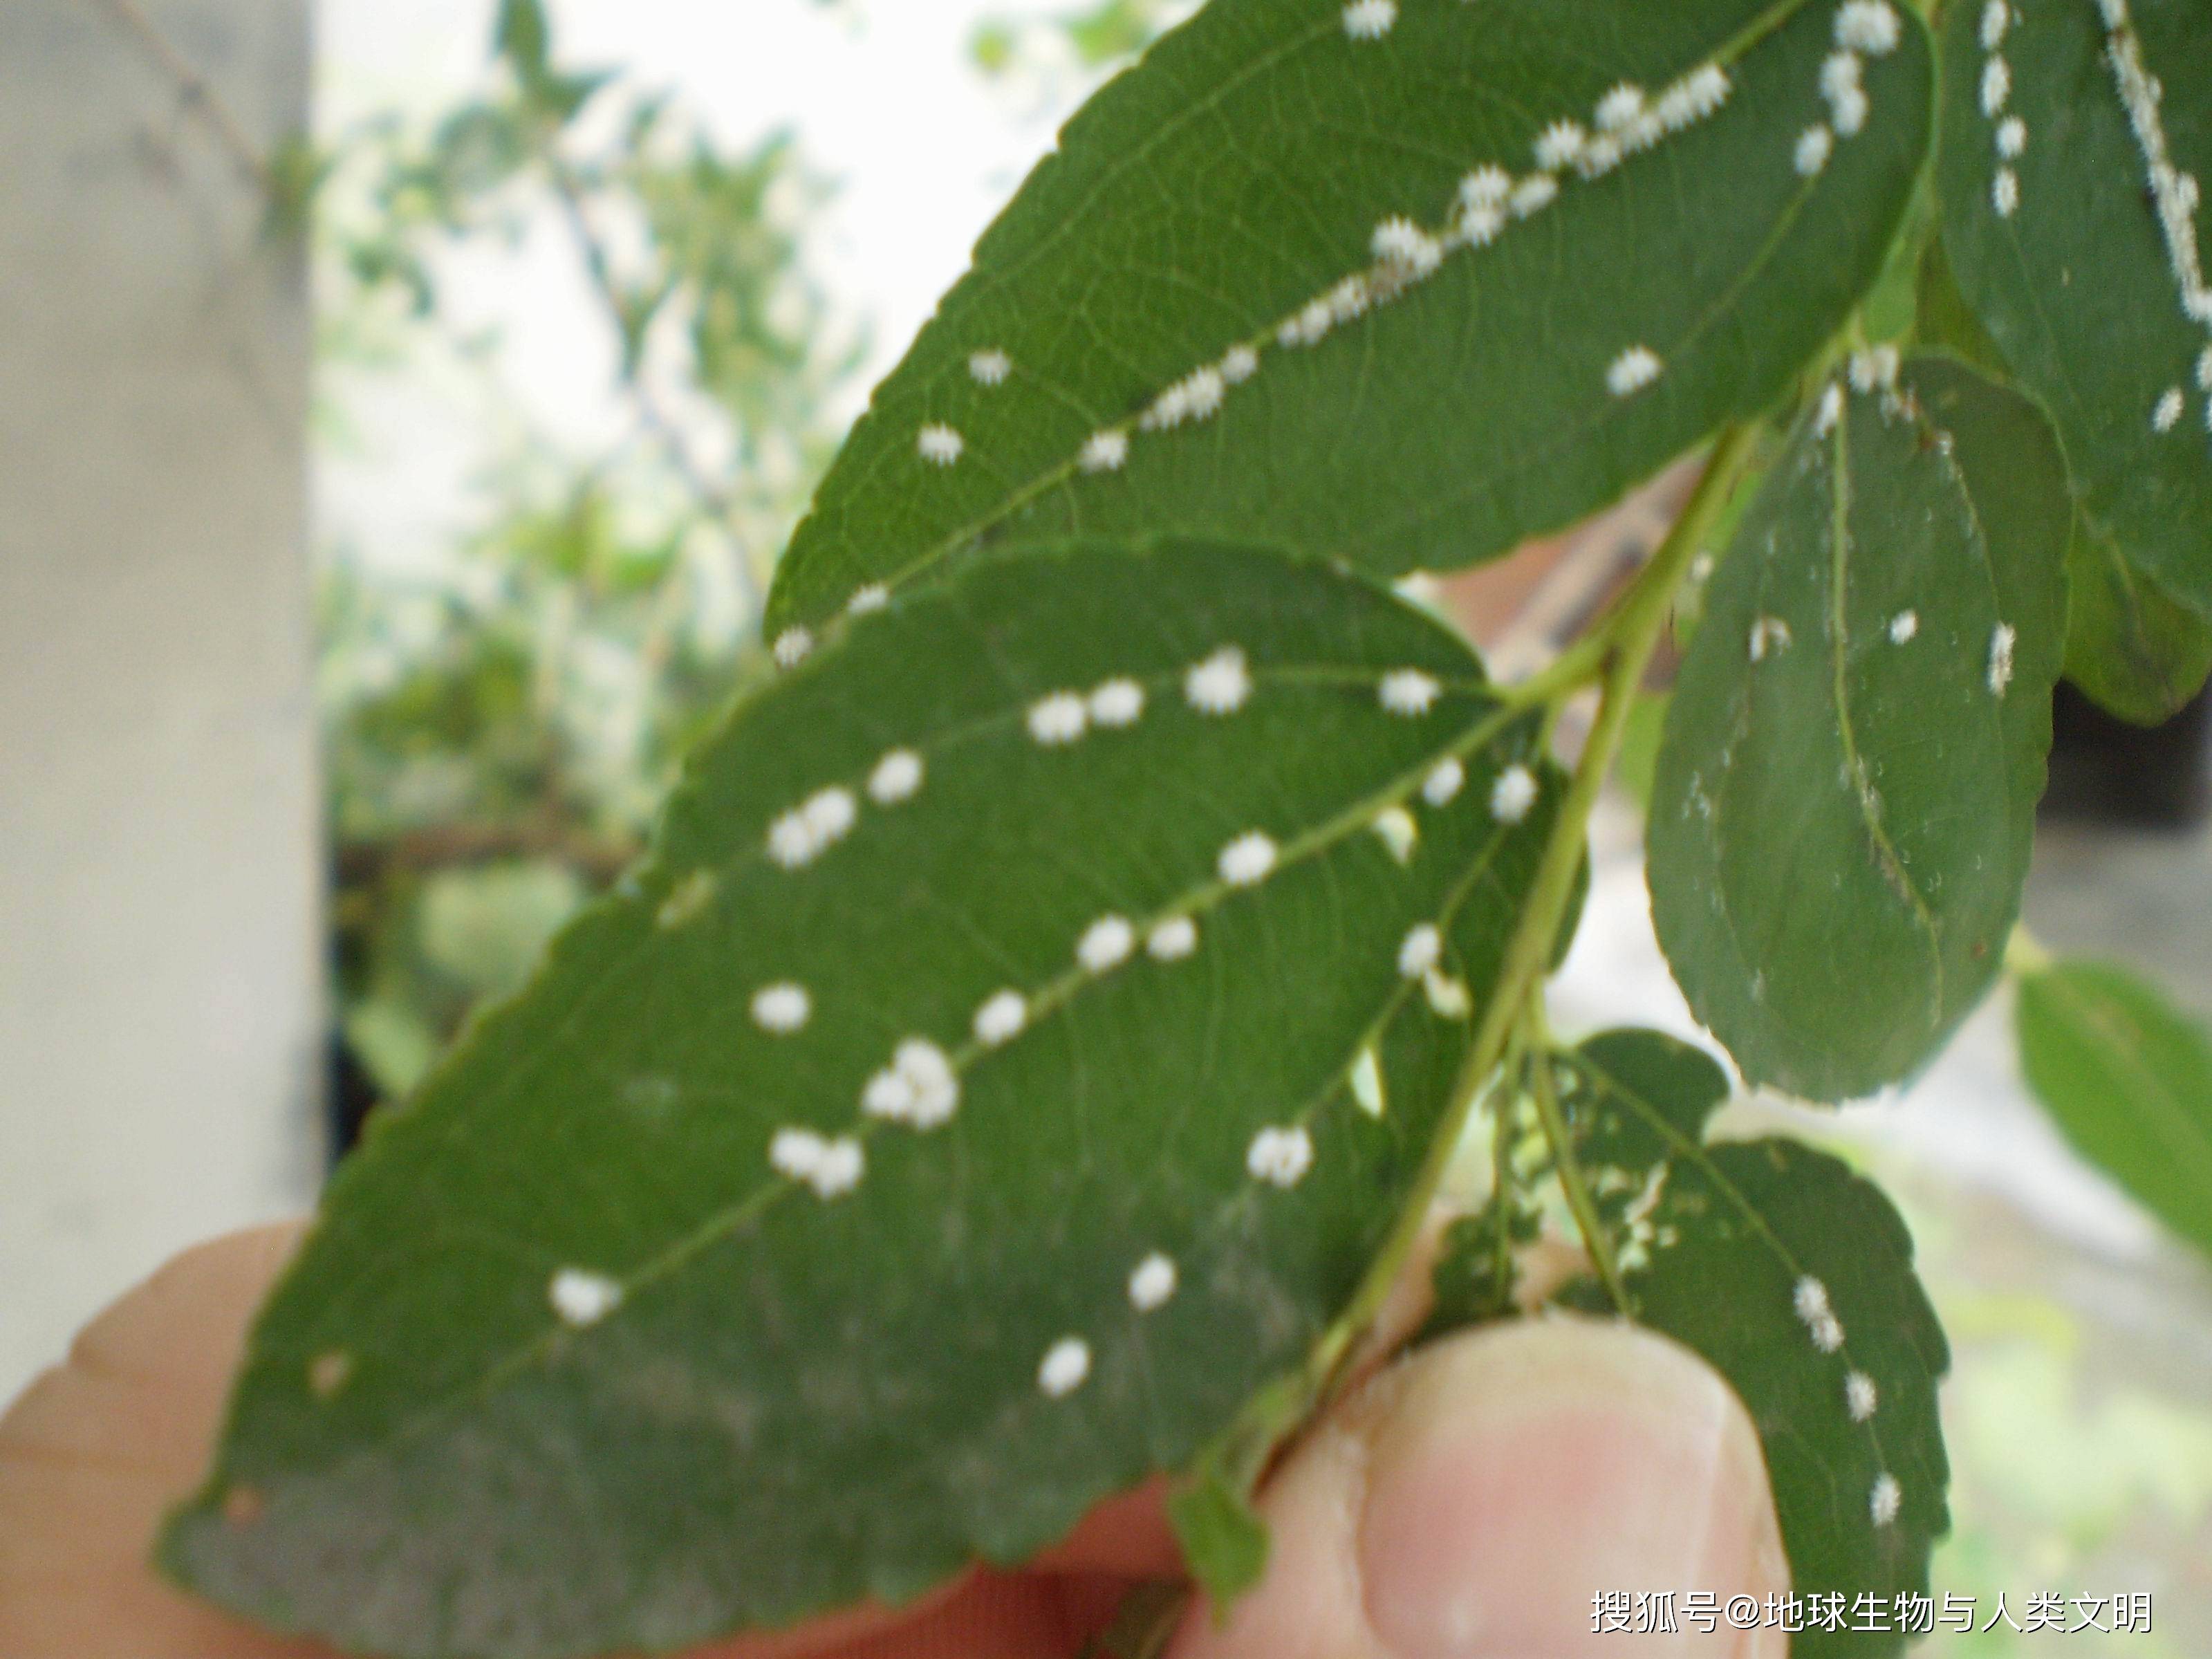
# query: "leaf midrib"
1839, 559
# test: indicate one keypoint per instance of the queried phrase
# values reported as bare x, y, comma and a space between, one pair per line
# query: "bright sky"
884, 100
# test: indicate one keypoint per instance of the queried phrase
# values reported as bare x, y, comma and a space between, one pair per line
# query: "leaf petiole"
1623, 643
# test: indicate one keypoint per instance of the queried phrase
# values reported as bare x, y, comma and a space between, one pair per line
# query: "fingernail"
1515, 1474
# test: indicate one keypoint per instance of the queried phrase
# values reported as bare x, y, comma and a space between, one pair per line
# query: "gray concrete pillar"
159, 958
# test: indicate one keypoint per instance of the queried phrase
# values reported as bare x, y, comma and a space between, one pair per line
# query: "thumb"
1470, 1503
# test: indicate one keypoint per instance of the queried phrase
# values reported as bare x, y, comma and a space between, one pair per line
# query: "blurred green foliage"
500, 727
1094, 37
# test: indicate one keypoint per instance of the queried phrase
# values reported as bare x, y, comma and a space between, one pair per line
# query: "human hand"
1464, 1504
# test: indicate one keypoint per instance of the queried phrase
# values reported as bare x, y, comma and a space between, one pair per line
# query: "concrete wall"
160, 994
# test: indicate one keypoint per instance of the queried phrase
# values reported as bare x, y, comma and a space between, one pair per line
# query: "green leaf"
1943, 321
1163, 283
520, 35
487, 926
569, 1365
1794, 1278
2130, 645
2129, 1078
1224, 1542
2051, 221
1846, 790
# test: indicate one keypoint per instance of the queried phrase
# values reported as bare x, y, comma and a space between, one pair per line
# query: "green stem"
1572, 1182
1626, 639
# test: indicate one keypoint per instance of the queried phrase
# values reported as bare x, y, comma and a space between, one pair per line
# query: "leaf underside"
1237, 176
1717, 1242
2052, 227
1845, 793
567, 1366
2130, 645
2129, 1078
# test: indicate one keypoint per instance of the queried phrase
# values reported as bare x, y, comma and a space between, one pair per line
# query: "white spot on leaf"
2168, 415
1106, 944
1000, 1019
1448, 996
800, 836
1105, 451
1619, 107
781, 1009
1197, 397
1534, 194
1152, 1283
1408, 692
1814, 146
1830, 411
1513, 794
832, 1168
1369, 20
897, 777
1117, 703
918, 1088
1560, 145
1280, 1157
1395, 828
791, 648
1248, 859
1058, 718
1861, 1397
2173, 193
1997, 86
1770, 636
990, 367
1173, 940
830, 814
2001, 648
583, 1298
874, 597
1874, 369
1487, 186
1221, 684
1631, 370
1445, 779
842, 1164
2004, 192
1903, 626
1366, 1079
1065, 1366
1400, 242
939, 444
1809, 1296
1423, 948
1867, 26
1886, 1500
1848, 111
